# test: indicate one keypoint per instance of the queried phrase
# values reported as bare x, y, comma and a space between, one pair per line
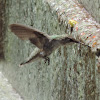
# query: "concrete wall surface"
93, 7
72, 73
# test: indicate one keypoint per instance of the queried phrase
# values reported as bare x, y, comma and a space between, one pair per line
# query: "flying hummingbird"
44, 43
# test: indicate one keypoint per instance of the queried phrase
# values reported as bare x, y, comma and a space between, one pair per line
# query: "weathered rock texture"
6, 90
93, 7
72, 74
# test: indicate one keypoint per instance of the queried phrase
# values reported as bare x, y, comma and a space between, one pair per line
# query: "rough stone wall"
71, 74
93, 7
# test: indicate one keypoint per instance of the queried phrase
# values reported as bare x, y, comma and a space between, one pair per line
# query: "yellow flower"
72, 22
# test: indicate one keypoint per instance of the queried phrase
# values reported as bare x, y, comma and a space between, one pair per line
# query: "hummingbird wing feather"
27, 33
33, 56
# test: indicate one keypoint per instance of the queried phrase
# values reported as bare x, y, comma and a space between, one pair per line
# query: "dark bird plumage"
44, 43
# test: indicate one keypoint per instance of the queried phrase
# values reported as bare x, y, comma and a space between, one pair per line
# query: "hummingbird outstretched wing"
27, 33
33, 56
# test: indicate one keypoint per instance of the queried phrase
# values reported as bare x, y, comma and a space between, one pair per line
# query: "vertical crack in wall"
2, 27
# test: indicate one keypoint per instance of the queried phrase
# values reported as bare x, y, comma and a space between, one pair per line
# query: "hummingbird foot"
47, 59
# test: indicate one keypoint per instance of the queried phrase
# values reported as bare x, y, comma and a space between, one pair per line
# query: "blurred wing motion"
28, 33
33, 56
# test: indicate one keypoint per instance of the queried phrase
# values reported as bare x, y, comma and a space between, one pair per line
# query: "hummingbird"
45, 44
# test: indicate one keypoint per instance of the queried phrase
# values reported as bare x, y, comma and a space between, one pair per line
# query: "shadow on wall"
2, 17
1, 41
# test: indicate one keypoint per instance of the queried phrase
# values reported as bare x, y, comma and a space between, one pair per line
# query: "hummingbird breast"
50, 46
